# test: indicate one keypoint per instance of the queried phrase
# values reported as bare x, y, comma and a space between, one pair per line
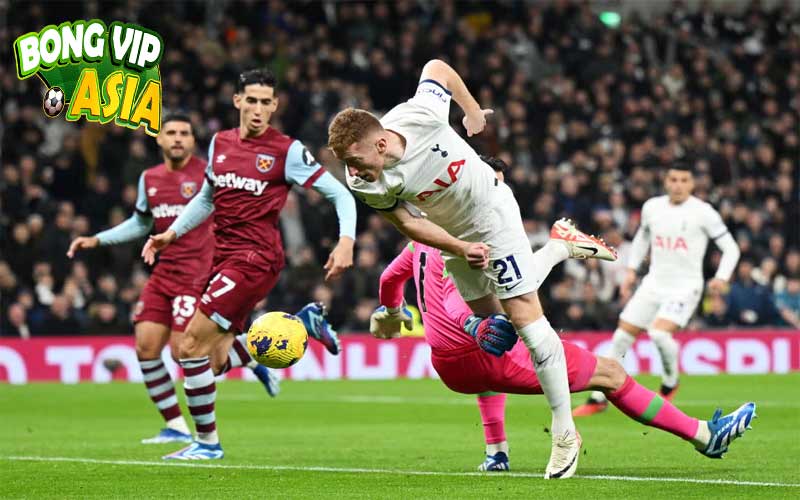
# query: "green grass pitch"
384, 439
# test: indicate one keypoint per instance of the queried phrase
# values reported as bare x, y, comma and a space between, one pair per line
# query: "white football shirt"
678, 236
439, 173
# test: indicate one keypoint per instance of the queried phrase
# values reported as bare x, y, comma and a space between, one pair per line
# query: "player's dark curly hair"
497, 164
684, 166
177, 116
260, 76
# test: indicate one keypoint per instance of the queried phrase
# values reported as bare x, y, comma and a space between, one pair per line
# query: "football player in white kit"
677, 228
425, 179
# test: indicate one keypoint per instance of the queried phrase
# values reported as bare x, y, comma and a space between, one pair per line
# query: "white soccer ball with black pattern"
53, 102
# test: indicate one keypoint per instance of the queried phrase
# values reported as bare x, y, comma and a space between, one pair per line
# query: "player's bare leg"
549, 361
151, 337
624, 337
709, 437
201, 338
660, 333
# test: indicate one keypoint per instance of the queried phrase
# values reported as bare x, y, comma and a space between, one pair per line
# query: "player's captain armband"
433, 96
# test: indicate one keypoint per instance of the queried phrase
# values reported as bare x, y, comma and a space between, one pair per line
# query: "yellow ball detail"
277, 339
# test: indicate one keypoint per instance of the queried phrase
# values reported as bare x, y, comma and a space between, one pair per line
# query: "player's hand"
475, 121
495, 334
477, 255
157, 243
340, 259
626, 288
385, 322
717, 286
82, 243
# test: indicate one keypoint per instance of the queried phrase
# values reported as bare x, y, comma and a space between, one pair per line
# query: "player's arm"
717, 231
422, 230
136, 226
302, 169
400, 270
386, 320
443, 74
639, 249
195, 212
454, 304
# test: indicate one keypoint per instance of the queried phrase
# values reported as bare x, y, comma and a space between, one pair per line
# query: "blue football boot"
168, 436
495, 463
197, 451
268, 379
725, 429
313, 317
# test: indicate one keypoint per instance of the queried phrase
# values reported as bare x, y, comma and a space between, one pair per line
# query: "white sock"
493, 448
546, 258
668, 348
621, 342
550, 364
208, 437
703, 435
178, 424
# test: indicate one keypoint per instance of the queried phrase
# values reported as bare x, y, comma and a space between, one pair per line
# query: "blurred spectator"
61, 319
750, 304
788, 302
17, 325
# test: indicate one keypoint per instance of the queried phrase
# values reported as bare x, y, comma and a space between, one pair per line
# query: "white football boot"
580, 244
564, 455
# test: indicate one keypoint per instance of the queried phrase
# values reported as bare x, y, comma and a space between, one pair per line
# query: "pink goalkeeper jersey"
442, 308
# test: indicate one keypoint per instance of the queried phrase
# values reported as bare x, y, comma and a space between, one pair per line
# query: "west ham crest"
188, 189
264, 163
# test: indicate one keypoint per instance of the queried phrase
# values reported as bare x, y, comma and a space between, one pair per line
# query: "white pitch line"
387, 471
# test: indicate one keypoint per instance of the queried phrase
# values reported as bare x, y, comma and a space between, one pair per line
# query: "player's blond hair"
350, 126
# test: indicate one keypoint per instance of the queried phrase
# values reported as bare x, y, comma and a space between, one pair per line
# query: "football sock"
550, 364
179, 424
493, 407
161, 390
492, 449
201, 392
668, 348
621, 342
649, 408
238, 355
546, 258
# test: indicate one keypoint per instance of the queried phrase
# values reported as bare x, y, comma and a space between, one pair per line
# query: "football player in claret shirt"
250, 171
676, 227
173, 290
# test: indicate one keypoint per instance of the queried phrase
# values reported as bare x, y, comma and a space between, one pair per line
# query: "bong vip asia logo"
96, 72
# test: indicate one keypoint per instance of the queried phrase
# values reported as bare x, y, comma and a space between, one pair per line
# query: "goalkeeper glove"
494, 334
385, 321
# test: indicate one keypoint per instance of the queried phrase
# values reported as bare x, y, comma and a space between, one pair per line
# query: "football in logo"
264, 163
188, 189
53, 102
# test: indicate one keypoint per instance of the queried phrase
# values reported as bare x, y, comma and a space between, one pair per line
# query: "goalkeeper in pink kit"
474, 355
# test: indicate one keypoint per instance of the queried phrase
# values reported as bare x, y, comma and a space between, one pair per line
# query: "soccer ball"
53, 102
277, 339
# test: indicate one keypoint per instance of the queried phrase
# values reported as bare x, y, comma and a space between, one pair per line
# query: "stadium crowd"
586, 115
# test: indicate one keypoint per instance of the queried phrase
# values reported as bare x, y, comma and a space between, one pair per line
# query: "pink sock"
493, 409
651, 409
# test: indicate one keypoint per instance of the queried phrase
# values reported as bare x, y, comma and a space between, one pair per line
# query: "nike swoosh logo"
510, 287
591, 249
